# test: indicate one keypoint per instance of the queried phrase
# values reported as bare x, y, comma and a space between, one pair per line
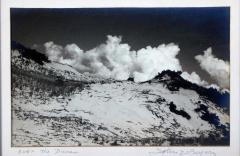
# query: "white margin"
232, 150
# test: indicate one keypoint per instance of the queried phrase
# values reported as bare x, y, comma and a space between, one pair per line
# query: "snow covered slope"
31, 61
54, 105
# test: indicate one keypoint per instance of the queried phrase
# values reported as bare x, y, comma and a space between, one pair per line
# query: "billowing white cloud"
114, 59
152, 60
194, 78
53, 51
218, 69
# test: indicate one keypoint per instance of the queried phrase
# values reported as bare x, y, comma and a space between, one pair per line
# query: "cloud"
114, 59
152, 60
53, 51
194, 78
218, 69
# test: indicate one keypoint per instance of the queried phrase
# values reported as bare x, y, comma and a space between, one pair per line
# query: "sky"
193, 29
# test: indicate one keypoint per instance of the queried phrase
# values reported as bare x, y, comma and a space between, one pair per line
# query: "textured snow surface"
54, 105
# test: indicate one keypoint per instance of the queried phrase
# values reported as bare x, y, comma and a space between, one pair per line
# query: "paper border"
7, 150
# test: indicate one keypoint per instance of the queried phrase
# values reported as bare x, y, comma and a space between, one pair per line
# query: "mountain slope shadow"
174, 82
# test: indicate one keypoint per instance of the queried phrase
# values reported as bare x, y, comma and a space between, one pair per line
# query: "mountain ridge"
55, 105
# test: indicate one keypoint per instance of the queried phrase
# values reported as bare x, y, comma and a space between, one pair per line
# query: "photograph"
103, 77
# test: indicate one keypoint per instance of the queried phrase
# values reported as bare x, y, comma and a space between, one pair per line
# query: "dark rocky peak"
173, 81
169, 75
130, 79
29, 53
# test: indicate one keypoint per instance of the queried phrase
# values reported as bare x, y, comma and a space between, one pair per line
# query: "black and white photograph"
120, 77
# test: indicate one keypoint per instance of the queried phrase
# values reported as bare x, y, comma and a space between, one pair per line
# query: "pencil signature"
172, 152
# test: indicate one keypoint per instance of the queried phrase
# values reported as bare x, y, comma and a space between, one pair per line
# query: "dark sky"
193, 29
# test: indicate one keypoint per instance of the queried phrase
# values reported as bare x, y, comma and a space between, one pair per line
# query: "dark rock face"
175, 81
173, 109
130, 79
205, 115
29, 53
212, 119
